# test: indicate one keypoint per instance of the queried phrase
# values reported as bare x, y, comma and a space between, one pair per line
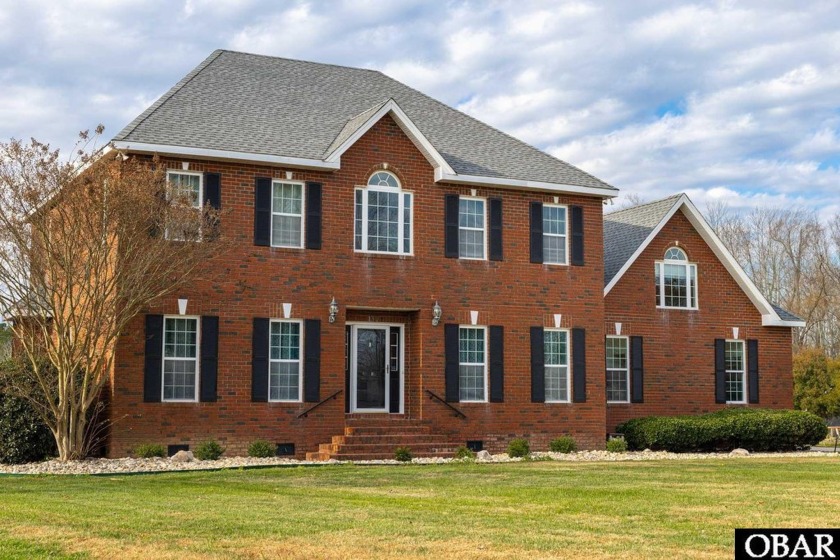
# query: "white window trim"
299, 361
693, 291
197, 359
568, 366
483, 229
400, 220
565, 235
485, 364
626, 370
743, 371
200, 175
302, 213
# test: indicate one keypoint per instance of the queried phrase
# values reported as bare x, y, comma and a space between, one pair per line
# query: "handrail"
457, 412
306, 412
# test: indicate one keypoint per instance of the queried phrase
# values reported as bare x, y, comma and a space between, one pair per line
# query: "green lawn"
666, 509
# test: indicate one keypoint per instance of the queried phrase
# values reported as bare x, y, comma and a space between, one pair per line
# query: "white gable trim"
407, 126
769, 317
480, 180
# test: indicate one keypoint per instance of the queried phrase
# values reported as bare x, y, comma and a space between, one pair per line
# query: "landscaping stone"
132, 465
183, 457
739, 452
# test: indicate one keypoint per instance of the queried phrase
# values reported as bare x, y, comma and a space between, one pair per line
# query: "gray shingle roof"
626, 230
785, 315
274, 106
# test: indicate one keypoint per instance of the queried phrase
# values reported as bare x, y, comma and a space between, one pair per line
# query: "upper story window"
383, 216
286, 214
185, 189
676, 281
472, 222
555, 234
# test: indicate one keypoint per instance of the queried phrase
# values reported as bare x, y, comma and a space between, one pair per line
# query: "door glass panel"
370, 368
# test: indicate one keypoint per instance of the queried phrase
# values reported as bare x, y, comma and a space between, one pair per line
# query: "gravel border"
159, 465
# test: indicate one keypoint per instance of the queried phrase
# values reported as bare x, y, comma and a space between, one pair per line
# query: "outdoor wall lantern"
437, 313
333, 310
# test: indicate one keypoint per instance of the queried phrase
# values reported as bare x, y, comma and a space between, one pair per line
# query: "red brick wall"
256, 280
679, 344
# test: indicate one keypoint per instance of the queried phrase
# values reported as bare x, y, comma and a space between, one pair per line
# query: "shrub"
150, 450
519, 447
208, 450
23, 436
753, 429
402, 454
464, 452
563, 444
261, 449
616, 445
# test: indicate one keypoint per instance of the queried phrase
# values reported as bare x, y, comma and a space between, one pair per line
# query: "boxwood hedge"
23, 436
753, 429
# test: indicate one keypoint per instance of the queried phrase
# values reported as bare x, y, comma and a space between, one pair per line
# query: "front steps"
377, 437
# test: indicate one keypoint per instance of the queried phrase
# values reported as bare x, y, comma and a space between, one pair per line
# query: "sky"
732, 101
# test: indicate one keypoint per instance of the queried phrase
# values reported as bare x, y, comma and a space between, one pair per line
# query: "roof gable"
244, 106
628, 233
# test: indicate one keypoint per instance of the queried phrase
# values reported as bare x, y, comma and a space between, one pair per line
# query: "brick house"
407, 275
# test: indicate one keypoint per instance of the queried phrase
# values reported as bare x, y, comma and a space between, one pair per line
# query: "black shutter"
259, 361
536, 232
579, 365
312, 360
720, 371
262, 211
209, 358
313, 215
537, 365
497, 364
637, 370
451, 211
752, 371
213, 190
153, 369
452, 379
577, 235
347, 334
496, 250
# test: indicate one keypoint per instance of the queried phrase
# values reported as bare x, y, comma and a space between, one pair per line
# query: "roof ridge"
644, 204
132, 126
299, 60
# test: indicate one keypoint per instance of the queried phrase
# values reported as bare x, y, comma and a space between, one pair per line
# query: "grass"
680, 509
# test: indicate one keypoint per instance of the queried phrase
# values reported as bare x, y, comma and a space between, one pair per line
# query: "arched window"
676, 280
383, 216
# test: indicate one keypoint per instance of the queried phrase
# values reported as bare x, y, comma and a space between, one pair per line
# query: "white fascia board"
644, 245
775, 321
522, 184
406, 124
225, 155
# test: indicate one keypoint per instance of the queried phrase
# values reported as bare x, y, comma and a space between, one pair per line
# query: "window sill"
473, 402
285, 402
736, 403
558, 402
286, 247
383, 254
179, 401
666, 308
618, 402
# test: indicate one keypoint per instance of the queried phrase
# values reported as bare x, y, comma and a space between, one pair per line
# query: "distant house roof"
628, 232
251, 105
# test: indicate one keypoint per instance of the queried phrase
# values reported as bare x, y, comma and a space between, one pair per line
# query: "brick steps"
377, 437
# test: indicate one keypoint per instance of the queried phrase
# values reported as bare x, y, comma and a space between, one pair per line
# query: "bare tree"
86, 245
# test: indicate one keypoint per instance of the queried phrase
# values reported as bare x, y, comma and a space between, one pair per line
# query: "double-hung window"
472, 367
284, 375
736, 373
185, 192
383, 216
472, 228
676, 281
618, 370
556, 352
180, 359
286, 214
555, 234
